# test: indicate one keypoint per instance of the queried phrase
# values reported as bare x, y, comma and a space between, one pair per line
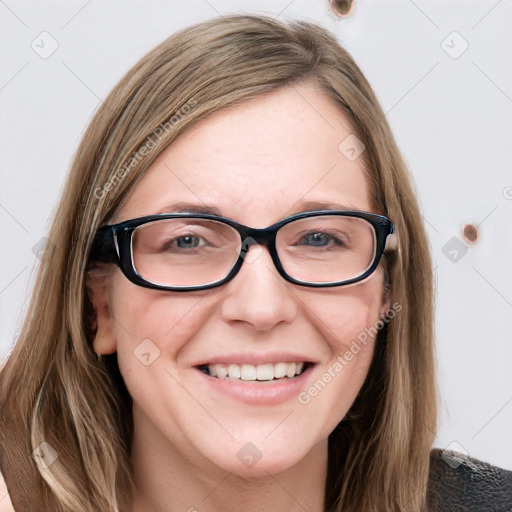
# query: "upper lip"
256, 358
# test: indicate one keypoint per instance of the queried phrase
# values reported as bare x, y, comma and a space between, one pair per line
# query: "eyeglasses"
188, 251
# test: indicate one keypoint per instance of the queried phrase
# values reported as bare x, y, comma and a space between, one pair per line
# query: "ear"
98, 282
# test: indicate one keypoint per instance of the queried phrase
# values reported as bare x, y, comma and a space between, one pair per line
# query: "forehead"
257, 162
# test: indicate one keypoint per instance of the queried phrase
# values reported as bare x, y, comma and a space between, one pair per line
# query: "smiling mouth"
255, 373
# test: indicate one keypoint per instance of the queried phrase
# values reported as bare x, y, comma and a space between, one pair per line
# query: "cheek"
348, 322
349, 315
156, 321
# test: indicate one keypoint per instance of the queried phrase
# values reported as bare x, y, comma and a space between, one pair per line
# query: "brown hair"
55, 390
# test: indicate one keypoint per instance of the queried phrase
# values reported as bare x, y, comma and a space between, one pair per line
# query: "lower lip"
259, 393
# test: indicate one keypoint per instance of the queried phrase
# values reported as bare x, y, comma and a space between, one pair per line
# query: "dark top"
462, 484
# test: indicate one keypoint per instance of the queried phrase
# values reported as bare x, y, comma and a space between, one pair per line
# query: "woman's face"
255, 163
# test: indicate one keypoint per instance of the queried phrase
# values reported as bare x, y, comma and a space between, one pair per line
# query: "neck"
168, 480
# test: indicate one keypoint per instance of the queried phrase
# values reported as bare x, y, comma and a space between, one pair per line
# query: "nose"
258, 295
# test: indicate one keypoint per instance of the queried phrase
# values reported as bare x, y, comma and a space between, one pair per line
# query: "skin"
257, 163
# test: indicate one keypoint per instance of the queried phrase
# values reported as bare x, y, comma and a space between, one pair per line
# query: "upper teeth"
255, 372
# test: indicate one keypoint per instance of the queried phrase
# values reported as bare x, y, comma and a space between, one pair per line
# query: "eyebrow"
183, 207
303, 206
306, 206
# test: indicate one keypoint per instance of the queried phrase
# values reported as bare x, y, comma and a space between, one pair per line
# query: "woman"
238, 312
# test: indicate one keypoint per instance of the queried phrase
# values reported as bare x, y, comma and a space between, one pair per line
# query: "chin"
264, 456
250, 462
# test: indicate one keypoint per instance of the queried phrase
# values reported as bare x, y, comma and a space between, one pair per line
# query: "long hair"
61, 403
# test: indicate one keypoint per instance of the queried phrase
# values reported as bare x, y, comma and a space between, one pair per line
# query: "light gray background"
450, 110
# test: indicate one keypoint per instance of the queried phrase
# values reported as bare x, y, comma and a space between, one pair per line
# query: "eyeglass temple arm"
104, 247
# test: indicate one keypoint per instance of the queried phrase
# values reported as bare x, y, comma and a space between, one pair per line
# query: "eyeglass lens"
194, 252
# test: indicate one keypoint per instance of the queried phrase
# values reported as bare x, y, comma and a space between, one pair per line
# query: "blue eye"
188, 242
319, 239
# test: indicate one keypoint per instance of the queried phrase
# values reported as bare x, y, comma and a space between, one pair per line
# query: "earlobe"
102, 323
104, 341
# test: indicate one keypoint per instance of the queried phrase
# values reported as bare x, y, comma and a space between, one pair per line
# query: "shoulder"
461, 483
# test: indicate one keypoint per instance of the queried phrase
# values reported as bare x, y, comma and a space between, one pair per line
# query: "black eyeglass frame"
113, 244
